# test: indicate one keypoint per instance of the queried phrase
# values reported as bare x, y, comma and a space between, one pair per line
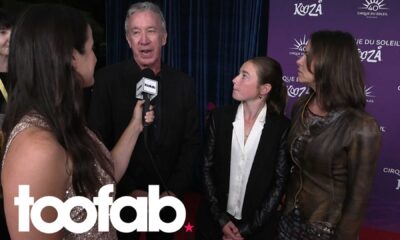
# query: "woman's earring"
260, 97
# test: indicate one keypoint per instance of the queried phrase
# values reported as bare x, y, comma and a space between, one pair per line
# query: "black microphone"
147, 89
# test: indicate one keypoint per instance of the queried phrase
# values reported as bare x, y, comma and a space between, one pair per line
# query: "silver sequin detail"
77, 214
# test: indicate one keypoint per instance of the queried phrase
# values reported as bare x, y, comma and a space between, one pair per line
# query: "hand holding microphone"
141, 118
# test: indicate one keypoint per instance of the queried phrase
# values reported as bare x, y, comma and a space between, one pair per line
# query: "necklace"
248, 126
304, 109
246, 135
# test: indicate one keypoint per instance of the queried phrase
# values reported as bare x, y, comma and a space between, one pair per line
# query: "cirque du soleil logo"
394, 171
369, 94
373, 9
147, 209
374, 5
367, 55
299, 46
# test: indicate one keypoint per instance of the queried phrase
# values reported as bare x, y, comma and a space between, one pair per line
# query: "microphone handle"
146, 107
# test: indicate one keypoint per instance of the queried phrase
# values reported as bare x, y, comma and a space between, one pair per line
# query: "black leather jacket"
334, 165
268, 176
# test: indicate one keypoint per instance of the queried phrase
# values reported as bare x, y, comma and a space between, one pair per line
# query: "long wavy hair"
270, 71
338, 71
45, 82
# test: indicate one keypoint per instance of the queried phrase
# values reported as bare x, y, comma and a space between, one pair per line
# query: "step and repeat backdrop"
376, 26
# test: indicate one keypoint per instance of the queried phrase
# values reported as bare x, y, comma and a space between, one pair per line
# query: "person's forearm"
122, 151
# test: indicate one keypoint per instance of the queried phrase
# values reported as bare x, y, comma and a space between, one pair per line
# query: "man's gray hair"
145, 6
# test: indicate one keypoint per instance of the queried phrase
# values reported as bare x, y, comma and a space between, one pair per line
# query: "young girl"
245, 160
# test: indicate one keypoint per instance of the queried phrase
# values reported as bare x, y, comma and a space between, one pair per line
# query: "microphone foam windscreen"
148, 73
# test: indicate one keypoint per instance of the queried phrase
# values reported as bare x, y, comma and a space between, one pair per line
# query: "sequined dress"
78, 213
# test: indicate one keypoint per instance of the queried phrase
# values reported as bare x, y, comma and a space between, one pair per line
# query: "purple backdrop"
375, 25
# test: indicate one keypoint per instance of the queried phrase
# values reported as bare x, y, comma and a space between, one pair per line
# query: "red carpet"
375, 234
192, 201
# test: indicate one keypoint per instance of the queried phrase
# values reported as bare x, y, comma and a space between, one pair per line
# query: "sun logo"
300, 44
368, 91
374, 5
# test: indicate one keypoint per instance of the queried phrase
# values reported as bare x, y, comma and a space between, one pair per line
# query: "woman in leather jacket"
245, 159
334, 144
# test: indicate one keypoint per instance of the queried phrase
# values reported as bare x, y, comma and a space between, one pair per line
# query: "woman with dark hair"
245, 160
6, 23
334, 144
47, 145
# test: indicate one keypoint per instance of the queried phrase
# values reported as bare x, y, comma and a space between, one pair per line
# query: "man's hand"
139, 193
169, 193
231, 232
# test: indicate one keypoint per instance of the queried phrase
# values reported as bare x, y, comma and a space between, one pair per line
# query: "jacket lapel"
225, 135
263, 161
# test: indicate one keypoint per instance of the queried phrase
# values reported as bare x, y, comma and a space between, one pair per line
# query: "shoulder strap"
3, 90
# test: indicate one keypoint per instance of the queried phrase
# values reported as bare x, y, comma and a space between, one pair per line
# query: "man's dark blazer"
268, 174
111, 109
